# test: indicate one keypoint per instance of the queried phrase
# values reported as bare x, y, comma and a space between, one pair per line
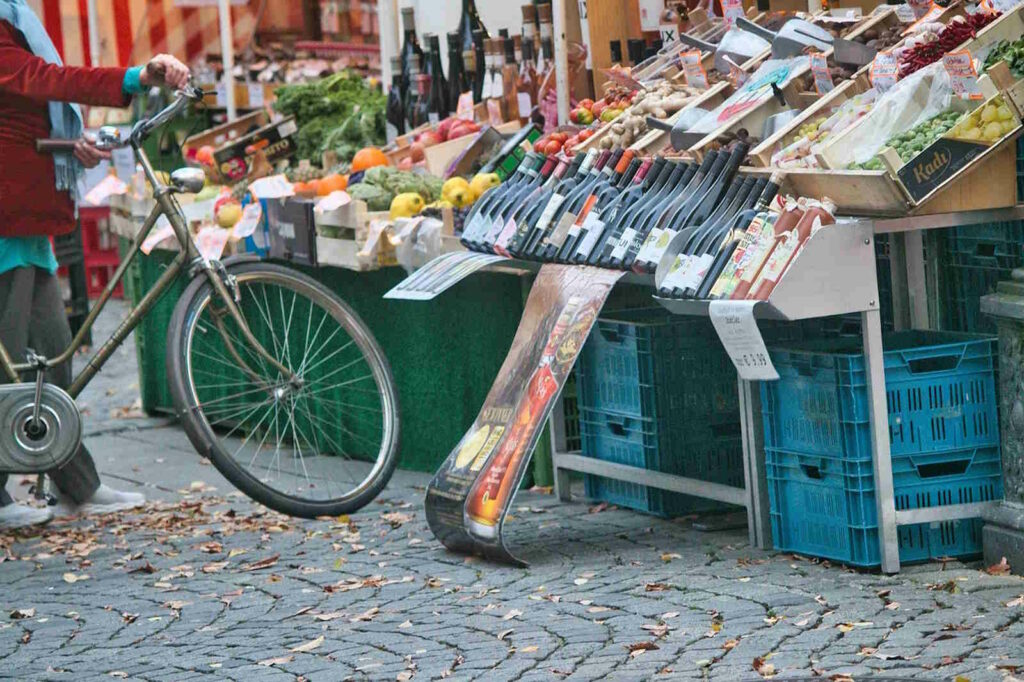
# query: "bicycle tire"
201, 434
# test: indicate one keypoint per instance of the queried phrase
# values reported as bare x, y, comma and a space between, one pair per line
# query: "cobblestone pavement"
204, 584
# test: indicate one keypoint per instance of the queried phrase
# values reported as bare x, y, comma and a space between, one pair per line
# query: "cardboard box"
276, 141
292, 230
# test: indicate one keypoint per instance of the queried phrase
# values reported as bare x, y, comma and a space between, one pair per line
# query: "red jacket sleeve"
24, 74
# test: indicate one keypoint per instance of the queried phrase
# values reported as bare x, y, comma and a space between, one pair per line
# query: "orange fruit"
368, 157
332, 183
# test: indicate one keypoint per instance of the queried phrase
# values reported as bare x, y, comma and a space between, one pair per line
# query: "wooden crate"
218, 136
655, 141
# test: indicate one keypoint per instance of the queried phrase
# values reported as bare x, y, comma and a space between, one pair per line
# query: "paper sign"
221, 91
272, 187
650, 14
333, 201
252, 214
904, 12
884, 71
737, 75
668, 33
696, 77
822, 78
211, 242
928, 17
734, 321
960, 67
441, 274
255, 95
464, 109
732, 10
159, 234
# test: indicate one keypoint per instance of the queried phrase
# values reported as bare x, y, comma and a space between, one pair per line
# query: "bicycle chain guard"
25, 450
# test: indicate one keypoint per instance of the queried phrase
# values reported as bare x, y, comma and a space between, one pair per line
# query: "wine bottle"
543, 245
601, 238
503, 210
654, 237
509, 77
615, 49
438, 98
411, 53
520, 216
480, 61
726, 249
618, 244
586, 197
458, 80
654, 219
530, 29
540, 216
485, 209
394, 111
526, 83
419, 109
595, 203
469, 26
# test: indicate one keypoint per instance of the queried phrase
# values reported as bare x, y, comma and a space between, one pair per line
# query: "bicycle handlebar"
143, 128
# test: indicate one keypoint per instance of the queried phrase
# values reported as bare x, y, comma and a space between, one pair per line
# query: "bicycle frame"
167, 206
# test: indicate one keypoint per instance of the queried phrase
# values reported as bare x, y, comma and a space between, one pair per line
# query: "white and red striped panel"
133, 30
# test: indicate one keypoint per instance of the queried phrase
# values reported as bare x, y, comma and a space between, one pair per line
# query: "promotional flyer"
471, 493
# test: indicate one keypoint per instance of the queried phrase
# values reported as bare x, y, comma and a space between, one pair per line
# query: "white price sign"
734, 321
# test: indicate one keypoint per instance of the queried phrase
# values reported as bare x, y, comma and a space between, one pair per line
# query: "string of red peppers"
956, 32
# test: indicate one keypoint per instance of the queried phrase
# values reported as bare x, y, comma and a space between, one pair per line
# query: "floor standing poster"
471, 493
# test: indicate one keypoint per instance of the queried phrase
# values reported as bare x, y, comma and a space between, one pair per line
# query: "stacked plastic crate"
99, 247
658, 393
943, 434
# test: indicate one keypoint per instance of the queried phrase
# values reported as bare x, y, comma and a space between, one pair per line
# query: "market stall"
784, 174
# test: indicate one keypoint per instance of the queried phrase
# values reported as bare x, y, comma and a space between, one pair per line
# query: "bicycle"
276, 380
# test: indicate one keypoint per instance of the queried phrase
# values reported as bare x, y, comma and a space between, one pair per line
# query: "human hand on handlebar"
88, 154
165, 69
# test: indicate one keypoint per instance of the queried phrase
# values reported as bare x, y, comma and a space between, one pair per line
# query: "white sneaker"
21, 516
105, 500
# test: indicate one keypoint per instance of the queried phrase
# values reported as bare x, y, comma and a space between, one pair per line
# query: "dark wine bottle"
438, 98
411, 54
419, 109
480, 62
596, 202
617, 217
394, 112
499, 214
520, 216
652, 219
727, 244
470, 44
458, 80
617, 246
477, 221
538, 217
615, 49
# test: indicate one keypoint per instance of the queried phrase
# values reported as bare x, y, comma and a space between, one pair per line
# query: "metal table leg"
758, 520
871, 323
556, 432
917, 286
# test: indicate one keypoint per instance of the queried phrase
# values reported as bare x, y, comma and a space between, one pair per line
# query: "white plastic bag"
419, 241
916, 98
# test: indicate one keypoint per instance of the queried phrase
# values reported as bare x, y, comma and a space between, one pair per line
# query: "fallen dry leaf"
657, 587
762, 667
214, 566
730, 644
329, 616
405, 624
277, 661
262, 563
659, 630
504, 633
669, 556
514, 613
365, 615
146, 568
598, 609
580, 581
1019, 601
18, 614
73, 578
638, 648
1002, 568
598, 508
308, 646
893, 606
528, 649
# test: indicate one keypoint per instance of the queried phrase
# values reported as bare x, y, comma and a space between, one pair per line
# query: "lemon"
461, 197
452, 184
482, 182
989, 113
1004, 113
993, 131
1008, 126
406, 205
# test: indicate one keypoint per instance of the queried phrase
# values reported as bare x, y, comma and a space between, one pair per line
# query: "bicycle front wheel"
324, 443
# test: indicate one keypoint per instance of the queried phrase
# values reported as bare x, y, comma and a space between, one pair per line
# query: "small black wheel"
322, 443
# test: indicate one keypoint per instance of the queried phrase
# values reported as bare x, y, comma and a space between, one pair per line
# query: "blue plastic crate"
645, 363
965, 285
940, 391
714, 455
827, 507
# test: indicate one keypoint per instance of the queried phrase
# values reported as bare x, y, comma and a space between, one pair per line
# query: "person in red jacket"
37, 199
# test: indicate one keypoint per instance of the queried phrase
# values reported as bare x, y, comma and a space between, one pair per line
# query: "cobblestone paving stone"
204, 584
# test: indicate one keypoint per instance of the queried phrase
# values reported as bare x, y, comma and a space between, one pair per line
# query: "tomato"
585, 134
560, 136
553, 147
540, 144
574, 116
586, 103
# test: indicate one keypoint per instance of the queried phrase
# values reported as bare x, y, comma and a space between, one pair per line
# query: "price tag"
734, 321
929, 16
920, 7
822, 78
255, 95
884, 71
222, 94
960, 67
737, 75
156, 236
650, 14
904, 12
211, 242
668, 33
731, 11
464, 109
524, 104
696, 76
252, 214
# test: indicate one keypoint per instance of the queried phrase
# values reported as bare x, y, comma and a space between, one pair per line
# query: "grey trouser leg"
32, 316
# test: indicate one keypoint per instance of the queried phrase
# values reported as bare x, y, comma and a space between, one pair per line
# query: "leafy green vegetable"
1011, 53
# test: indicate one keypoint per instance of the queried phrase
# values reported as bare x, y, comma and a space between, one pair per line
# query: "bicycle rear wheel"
325, 444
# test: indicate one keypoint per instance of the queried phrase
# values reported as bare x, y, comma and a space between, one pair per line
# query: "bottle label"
549, 211
698, 270
675, 273
658, 248
780, 257
561, 231
645, 249
728, 280
529, 30
433, 117
593, 227
501, 243
758, 252
545, 31
464, 109
524, 103
622, 246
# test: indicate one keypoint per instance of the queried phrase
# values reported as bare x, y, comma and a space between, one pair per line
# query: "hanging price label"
696, 76
734, 321
668, 33
737, 75
494, 116
464, 109
960, 67
731, 11
905, 13
822, 77
885, 71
